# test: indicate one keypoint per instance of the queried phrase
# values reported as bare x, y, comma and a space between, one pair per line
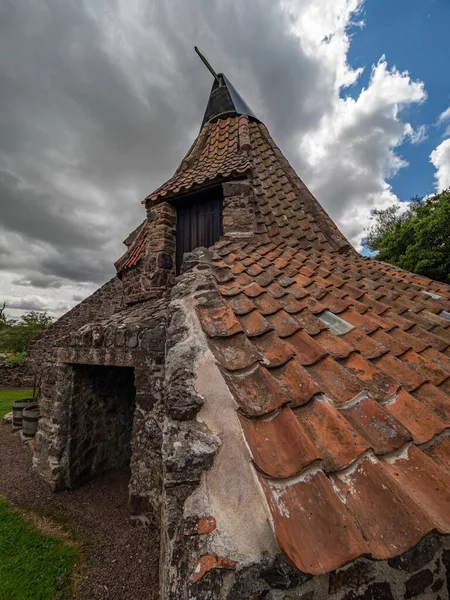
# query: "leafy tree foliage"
15, 334
418, 239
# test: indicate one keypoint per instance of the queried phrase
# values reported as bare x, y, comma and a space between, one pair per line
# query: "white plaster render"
229, 491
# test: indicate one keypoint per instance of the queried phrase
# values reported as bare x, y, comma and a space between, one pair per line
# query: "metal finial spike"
207, 65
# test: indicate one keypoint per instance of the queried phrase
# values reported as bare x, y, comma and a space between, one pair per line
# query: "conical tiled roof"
237, 147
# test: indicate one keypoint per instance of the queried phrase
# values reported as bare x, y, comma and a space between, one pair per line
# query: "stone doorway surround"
71, 445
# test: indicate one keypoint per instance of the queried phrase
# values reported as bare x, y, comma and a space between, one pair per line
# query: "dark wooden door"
199, 223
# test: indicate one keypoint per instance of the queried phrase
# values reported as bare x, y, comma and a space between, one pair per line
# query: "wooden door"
199, 223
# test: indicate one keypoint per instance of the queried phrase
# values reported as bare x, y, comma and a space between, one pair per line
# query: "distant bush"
16, 358
417, 239
15, 334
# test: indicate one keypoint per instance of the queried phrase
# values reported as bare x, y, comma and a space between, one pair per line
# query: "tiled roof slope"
217, 153
136, 249
340, 369
286, 211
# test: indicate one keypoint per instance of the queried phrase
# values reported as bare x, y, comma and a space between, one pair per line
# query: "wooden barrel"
18, 406
30, 420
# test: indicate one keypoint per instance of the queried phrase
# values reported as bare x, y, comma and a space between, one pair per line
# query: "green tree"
418, 239
16, 334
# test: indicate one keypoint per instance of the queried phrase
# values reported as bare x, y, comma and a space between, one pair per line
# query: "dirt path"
119, 562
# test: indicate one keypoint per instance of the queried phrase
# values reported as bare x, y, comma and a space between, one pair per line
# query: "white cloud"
351, 155
440, 158
444, 119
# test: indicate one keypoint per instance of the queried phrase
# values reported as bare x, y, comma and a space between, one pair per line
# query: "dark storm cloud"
28, 304
99, 101
39, 281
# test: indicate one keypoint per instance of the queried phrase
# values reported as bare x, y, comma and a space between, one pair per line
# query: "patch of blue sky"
413, 36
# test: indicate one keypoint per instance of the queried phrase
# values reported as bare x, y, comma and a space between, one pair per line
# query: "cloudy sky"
100, 99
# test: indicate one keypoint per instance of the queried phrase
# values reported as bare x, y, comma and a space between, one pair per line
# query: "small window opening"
199, 221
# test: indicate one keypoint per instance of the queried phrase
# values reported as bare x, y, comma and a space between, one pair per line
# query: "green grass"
33, 565
7, 398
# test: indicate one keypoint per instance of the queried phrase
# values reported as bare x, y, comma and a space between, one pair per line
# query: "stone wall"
238, 213
422, 573
104, 302
16, 375
155, 272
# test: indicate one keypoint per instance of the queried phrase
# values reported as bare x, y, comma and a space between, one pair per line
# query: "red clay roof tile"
241, 304
219, 321
428, 369
415, 416
377, 425
403, 373
296, 381
266, 304
335, 345
439, 451
338, 442
284, 323
274, 351
312, 525
335, 381
307, 350
435, 399
425, 483
235, 353
254, 323
256, 391
391, 523
279, 444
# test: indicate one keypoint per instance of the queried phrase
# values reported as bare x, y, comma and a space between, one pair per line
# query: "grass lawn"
7, 398
33, 565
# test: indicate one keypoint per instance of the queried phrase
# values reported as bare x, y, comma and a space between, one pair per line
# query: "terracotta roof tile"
390, 521
425, 483
338, 442
415, 417
240, 304
307, 350
377, 425
336, 381
335, 345
219, 321
428, 369
279, 444
235, 354
296, 382
284, 323
435, 399
266, 304
274, 351
254, 323
256, 391
439, 451
326, 536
